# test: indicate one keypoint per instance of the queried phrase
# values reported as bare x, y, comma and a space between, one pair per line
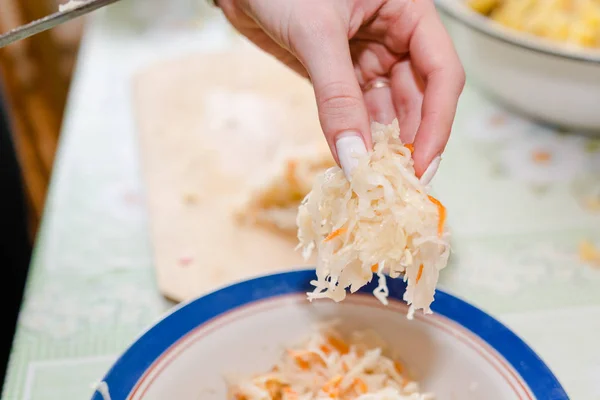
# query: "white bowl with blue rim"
550, 82
458, 352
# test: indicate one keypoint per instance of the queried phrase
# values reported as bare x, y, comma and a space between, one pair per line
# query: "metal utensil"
51, 21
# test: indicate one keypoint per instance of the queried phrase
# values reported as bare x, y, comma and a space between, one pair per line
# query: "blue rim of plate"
130, 367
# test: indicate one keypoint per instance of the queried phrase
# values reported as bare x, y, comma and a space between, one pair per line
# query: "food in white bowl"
380, 220
549, 81
572, 22
201, 348
329, 365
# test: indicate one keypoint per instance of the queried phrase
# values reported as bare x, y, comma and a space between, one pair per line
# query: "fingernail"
350, 146
430, 171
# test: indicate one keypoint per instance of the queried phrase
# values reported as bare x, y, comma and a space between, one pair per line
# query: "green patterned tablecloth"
520, 199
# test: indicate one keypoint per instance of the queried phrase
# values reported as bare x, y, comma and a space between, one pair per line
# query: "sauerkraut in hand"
381, 221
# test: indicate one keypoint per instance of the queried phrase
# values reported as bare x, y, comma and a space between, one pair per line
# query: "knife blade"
52, 20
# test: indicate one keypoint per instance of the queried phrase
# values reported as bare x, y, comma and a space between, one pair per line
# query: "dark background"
15, 249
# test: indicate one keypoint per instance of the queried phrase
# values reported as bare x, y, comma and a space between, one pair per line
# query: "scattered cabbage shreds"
329, 367
274, 203
383, 221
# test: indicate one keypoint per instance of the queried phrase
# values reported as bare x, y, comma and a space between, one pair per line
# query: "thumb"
322, 47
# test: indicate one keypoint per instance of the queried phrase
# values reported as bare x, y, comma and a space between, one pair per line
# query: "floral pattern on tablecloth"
508, 273
536, 155
61, 311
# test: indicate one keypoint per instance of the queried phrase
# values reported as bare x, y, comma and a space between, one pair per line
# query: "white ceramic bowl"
459, 352
550, 82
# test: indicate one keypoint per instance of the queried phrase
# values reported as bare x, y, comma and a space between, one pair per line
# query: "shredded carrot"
335, 234
408, 146
588, 253
274, 387
302, 363
375, 267
399, 367
345, 366
441, 212
338, 344
420, 273
332, 386
325, 349
304, 359
360, 386
404, 382
300, 359
290, 173
335, 381
290, 394
541, 157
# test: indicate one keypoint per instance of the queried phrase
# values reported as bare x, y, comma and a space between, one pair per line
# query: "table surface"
515, 194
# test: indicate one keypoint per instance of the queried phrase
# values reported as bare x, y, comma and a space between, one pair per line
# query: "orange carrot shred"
290, 173
302, 363
399, 367
541, 157
332, 386
335, 234
360, 385
338, 344
404, 382
325, 349
273, 386
420, 273
375, 267
442, 214
410, 147
300, 360
290, 394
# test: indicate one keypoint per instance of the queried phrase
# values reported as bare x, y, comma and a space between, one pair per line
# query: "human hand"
380, 58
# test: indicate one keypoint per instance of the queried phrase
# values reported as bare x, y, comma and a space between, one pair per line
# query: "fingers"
265, 43
434, 58
380, 105
407, 91
322, 47
373, 61
248, 27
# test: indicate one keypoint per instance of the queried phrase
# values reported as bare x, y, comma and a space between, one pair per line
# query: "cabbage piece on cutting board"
217, 142
274, 200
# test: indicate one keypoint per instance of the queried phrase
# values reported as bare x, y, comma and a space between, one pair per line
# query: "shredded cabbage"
380, 221
327, 366
273, 203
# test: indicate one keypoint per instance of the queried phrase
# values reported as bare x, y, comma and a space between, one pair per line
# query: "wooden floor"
34, 78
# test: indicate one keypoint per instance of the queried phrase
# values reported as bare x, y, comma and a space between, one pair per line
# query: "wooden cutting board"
210, 127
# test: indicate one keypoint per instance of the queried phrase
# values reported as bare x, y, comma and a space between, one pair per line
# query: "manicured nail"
350, 146
430, 171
